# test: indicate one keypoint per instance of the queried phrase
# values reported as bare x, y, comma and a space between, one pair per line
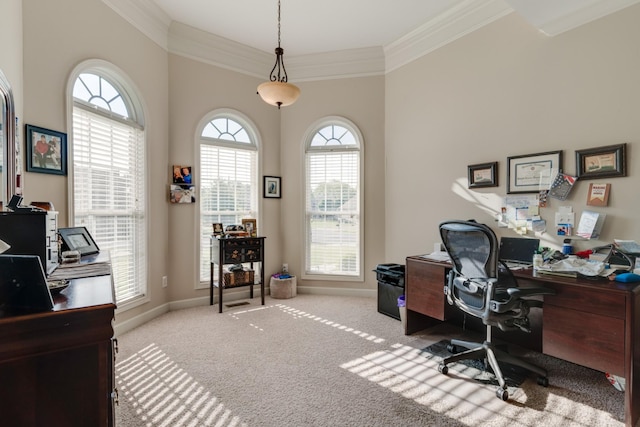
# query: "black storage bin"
390, 287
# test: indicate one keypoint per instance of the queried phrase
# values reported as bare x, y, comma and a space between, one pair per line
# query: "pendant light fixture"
277, 91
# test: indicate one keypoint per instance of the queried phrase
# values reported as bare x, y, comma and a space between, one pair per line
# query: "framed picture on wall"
483, 175
46, 150
602, 162
272, 187
532, 173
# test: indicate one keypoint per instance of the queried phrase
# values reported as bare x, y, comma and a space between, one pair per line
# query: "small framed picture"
602, 162
182, 175
483, 175
272, 187
78, 239
182, 193
218, 229
249, 225
46, 150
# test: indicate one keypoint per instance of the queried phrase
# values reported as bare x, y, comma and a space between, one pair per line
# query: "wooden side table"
235, 250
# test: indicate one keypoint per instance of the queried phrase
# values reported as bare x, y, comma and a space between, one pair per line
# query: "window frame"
255, 145
138, 111
305, 149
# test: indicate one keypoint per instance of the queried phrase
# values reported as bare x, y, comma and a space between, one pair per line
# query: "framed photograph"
532, 173
483, 175
272, 187
218, 229
182, 193
249, 225
46, 150
182, 175
602, 162
78, 239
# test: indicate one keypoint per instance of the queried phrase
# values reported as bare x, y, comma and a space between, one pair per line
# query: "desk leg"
211, 284
220, 286
262, 281
252, 283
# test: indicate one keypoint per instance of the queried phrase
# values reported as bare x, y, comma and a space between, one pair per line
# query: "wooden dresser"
56, 368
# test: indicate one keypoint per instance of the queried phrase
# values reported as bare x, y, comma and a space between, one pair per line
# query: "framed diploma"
532, 173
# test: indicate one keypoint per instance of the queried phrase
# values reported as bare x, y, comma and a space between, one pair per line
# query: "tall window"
228, 177
109, 183
333, 190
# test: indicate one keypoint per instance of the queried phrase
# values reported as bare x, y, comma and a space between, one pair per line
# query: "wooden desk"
592, 323
235, 250
56, 368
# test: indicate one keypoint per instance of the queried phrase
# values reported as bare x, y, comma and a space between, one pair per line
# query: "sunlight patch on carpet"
406, 371
165, 395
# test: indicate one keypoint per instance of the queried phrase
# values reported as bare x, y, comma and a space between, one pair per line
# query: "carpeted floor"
328, 361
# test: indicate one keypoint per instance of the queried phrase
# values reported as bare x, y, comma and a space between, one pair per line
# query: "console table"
594, 323
57, 366
235, 250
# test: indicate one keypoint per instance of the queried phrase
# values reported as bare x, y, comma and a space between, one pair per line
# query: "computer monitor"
518, 249
23, 286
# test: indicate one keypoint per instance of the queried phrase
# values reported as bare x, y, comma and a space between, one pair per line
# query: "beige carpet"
327, 361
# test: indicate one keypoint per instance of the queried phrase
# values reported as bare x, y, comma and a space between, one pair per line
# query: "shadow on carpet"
475, 368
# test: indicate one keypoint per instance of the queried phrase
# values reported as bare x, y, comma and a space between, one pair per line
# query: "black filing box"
390, 287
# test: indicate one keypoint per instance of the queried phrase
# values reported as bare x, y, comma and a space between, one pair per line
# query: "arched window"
228, 176
108, 168
333, 193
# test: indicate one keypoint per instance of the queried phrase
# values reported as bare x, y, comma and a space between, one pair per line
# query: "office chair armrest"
525, 292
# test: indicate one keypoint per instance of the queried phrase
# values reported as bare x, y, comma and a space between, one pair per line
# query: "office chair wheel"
443, 369
502, 394
543, 381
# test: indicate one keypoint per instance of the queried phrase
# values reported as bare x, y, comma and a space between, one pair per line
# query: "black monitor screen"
23, 285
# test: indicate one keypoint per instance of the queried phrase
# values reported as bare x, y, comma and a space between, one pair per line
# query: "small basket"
237, 278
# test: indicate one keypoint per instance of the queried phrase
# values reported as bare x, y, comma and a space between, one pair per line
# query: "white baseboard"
127, 325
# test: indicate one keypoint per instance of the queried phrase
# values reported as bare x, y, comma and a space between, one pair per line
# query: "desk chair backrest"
477, 285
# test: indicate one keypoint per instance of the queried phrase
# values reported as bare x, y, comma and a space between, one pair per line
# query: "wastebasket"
402, 308
390, 287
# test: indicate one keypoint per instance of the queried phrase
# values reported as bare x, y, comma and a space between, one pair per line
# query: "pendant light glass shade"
277, 91
279, 94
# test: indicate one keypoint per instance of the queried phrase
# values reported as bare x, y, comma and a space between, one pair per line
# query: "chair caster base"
543, 381
502, 394
443, 369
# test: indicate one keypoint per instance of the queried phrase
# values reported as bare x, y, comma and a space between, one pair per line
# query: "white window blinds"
109, 194
333, 218
228, 191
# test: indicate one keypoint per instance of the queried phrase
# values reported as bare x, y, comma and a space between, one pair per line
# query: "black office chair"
483, 287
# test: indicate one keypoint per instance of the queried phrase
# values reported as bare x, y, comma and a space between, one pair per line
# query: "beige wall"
503, 90
57, 37
11, 57
508, 90
360, 100
195, 90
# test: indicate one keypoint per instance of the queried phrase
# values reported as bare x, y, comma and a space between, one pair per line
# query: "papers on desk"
571, 266
87, 267
437, 256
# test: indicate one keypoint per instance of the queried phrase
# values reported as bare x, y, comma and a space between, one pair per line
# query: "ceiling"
369, 36
312, 26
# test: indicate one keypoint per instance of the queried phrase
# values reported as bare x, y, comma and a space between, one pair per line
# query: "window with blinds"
109, 181
228, 181
333, 220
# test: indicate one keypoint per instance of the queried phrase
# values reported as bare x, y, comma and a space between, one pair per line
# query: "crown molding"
463, 18
215, 50
454, 23
146, 16
558, 20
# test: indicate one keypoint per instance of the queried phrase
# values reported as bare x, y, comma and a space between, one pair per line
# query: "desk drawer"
584, 299
584, 338
424, 289
242, 254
